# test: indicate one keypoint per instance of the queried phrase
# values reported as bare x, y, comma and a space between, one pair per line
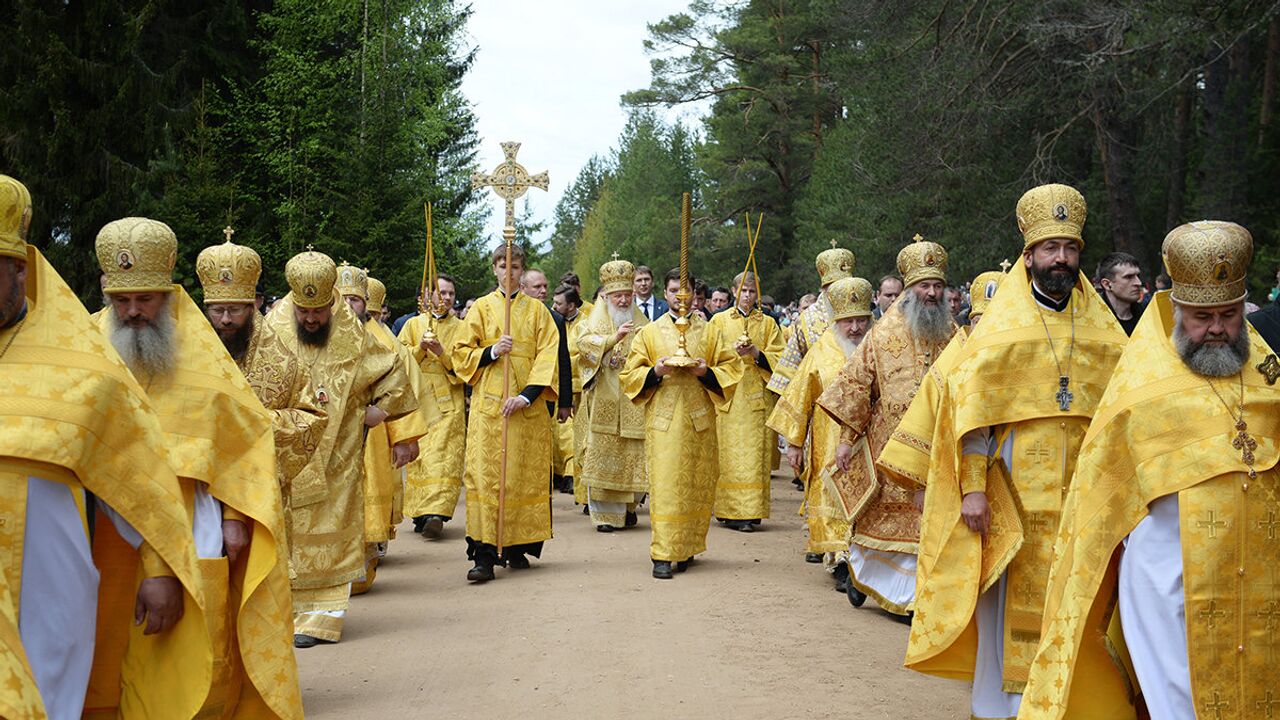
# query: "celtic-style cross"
510, 180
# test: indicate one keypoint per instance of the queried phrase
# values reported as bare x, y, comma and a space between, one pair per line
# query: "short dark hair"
889, 277
1107, 268
570, 294
722, 289
644, 270
1163, 281
673, 274
699, 288
500, 253
570, 278
449, 279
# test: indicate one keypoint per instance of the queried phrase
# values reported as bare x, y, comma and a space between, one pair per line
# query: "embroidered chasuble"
805, 333
72, 414
434, 480
1005, 378
680, 430
1159, 432
535, 346
747, 444
325, 499
612, 465
218, 433
905, 457
797, 418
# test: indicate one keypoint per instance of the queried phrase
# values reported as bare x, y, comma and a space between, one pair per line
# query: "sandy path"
587, 633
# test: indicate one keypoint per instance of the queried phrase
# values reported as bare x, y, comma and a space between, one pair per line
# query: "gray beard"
847, 344
1211, 361
931, 323
147, 350
619, 317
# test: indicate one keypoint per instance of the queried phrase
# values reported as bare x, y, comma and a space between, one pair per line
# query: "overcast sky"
549, 74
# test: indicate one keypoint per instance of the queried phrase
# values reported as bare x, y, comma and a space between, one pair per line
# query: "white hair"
149, 349
1210, 360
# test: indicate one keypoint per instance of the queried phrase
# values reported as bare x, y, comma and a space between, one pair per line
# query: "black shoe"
842, 578
566, 485
586, 510
306, 641
856, 596
518, 562
662, 570
418, 523
904, 619
798, 483
683, 565
632, 519
605, 528
432, 526
813, 557
480, 573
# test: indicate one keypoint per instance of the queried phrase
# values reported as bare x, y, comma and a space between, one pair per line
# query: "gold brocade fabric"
434, 480
905, 457
218, 432
795, 417
680, 431
21, 698
613, 457
533, 359
747, 444
1160, 430
805, 332
326, 497
68, 401
1005, 375
868, 397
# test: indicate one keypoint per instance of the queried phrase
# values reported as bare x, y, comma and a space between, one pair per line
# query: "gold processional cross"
509, 181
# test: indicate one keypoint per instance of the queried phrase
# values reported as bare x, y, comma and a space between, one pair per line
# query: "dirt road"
750, 630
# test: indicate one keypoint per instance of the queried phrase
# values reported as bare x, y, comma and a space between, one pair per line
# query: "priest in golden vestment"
1172, 521
358, 383
613, 463
680, 427
747, 444
434, 480
1014, 410
811, 434
868, 397
73, 421
389, 445
478, 352
833, 264
220, 445
905, 457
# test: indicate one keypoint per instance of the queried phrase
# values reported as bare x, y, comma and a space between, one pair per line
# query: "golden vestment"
797, 417
1004, 379
613, 463
905, 457
804, 334
680, 428
868, 397
218, 433
1160, 430
533, 357
435, 478
71, 413
325, 499
747, 444
580, 420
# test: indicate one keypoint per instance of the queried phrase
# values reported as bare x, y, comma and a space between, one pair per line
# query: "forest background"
331, 122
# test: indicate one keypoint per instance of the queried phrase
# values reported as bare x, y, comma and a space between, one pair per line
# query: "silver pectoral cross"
1064, 396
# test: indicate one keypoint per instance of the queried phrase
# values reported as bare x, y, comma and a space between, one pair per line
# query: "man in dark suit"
652, 307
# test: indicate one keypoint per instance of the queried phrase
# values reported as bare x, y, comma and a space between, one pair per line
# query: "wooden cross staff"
508, 181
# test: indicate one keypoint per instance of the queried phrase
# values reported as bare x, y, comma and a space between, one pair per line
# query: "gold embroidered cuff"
152, 564
973, 474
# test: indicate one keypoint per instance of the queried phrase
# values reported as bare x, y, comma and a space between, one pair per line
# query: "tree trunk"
1223, 182
1269, 80
1177, 200
1117, 140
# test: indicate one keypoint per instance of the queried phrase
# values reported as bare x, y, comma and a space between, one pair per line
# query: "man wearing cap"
435, 479
868, 398
795, 419
358, 384
833, 264
1014, 410
1171, 520
63, 469
613, 460
220, 445
747, 444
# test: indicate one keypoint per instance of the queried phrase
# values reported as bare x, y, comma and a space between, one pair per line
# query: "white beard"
149, 349
619, 316
846, 344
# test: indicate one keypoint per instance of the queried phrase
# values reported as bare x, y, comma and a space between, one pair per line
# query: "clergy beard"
1211, 360
148, 349
319, 338
931, 323
1055, 280
237, 342
620, 316
847, 344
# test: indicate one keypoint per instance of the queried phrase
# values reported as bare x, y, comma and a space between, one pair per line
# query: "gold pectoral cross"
1064, 395
1245, 444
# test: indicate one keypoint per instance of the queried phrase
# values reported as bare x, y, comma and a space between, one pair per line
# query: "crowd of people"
1066, 486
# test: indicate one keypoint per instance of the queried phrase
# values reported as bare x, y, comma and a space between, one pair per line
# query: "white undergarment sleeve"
989, 699
207, 525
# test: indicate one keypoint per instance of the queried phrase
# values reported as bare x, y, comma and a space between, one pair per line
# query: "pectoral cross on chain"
1064, 396
510, 180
